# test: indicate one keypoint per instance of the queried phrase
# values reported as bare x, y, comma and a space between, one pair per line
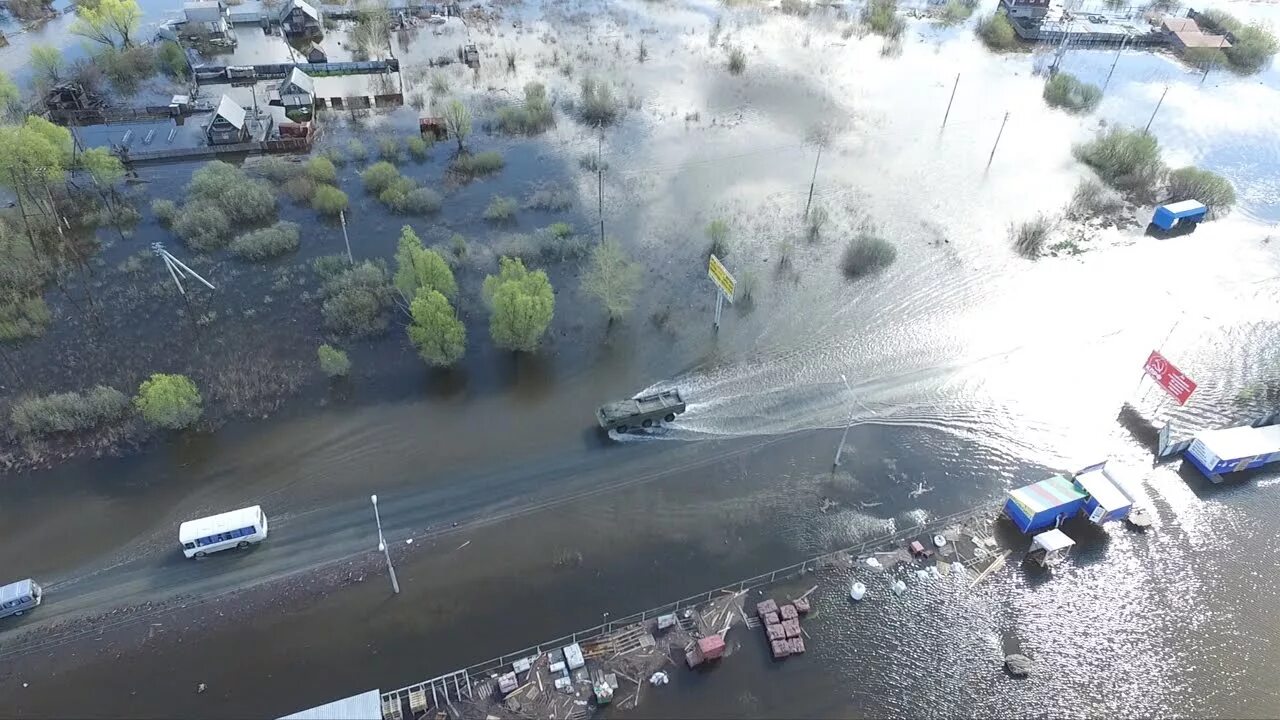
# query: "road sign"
721, 277
1169, 377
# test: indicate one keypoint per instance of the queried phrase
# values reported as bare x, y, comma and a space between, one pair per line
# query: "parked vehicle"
235, 529
645, 411
19, 597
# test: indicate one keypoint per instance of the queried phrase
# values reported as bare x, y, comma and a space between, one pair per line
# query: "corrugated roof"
365, 706
1241, 442
1102, 488
231, 111
1054, 492
304, 6
1195, 38
302, 81
1179, 24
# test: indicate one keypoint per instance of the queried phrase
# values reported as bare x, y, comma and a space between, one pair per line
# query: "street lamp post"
382, 545
845, 435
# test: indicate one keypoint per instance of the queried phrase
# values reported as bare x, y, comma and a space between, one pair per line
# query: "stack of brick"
782, 626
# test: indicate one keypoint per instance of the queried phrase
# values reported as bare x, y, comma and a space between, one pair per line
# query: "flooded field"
969, 370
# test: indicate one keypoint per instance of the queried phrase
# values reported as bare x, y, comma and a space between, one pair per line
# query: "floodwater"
969, 371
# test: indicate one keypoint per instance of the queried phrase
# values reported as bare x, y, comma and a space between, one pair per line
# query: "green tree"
321, 169
436, 331
417, 268
333, 362
47, 64
35, 151
612, 277
10, 97
522, 303
105, 168
457, 120
110, 22
997, 32
169, 401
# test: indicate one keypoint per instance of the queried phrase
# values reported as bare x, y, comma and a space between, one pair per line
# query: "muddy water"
971, 370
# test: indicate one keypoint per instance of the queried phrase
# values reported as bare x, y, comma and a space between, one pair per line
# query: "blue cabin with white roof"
1107, 499
1215, 452
1185, 212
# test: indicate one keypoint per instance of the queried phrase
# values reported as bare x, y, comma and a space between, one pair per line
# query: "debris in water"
922, 575
857, 590
1018, 665
920, 490
659, 678
464, 544
939, 541
872, 562
200, 688
899, 587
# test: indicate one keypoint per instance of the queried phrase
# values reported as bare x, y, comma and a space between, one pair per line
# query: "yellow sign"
721, 277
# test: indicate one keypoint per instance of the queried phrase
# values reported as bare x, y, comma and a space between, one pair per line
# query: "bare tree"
457, 120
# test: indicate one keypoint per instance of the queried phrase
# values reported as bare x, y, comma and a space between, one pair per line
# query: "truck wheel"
19, 613
200, 554
671, 417
243, 544
646, 424
622, 428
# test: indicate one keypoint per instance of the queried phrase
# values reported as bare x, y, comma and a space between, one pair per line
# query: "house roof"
203, 10
302, 81
1179, 24
1053, 540
1199, 39
303, 6
231, 111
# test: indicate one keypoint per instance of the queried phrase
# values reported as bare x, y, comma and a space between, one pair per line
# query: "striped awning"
1054, 492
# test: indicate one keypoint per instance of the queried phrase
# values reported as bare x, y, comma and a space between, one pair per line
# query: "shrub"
1204, 58
818, 218
1124, 158
322, 170
357, 299
439, 84
1028, 238
329, 267
165, 211
243, 199
881, 16
333, 362
560, 230
737, 61
867, 254
1064, 90
203, 226
436, 331
422, 201
551, 198
301, 188
523, 304
389, 149
1251, 50
277, 169
597, 105
478, 164
379, 176
533, 117
418, 147
745, 290
329, 200
718, 234
612, 277
592, 162
171, 402
1210, 188
997, 33
418, 267
955, 12
356, 150
396, 195
1093, 199
68, 412
501, 209
23, 317
267, 243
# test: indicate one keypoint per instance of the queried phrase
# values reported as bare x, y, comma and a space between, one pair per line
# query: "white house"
296, 95
211, 16
298, 18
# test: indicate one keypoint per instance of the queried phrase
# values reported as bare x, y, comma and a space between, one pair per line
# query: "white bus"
238, 529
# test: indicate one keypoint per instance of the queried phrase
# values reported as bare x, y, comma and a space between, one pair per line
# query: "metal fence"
762, 580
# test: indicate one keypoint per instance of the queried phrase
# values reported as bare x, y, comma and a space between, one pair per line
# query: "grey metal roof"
302, 81
16, 590
365, 706
230, 111
302, 5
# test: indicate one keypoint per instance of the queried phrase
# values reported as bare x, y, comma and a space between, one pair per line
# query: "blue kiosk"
1179, 214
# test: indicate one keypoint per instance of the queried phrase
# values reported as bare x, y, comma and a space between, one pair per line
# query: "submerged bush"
737, 61
867, 254
68, 412
267, 243
718, 234
1252, 46
333, 362
418, 147
356, 298
422, 201
1029, 237
277, 169
881, 16
171, 402
1124, 158
478, 164
550, 198
243, 199
997, 32
329, 200
955, 12
165, 211
396, 195
1210, 188
379, 176
1093, 199
597, 105
522, 304
533, 117
203, 226
501, 209
389, 149
321, 169
22, 317
1064, 90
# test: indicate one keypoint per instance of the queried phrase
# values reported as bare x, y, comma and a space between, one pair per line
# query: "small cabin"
211, 17
230, 124
1107, 499
316, 54
299, 18
1216, 452
1044, 504
296, 95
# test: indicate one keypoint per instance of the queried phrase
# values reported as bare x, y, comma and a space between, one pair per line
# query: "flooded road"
970, 370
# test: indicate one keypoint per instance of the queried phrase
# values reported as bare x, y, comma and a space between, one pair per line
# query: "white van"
235, 529
17, 598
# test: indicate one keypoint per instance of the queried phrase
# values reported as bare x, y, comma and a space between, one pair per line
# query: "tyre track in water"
340, 529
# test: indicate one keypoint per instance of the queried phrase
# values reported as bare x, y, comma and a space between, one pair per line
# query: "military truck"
645, 411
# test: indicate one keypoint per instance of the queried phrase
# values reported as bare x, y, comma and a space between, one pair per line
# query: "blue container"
1172, 214
1043, 504
1216, 452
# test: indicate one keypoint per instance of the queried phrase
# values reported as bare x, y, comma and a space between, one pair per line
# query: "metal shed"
365, 706
1107, 499
1216, 452
1179, 213
1043, 504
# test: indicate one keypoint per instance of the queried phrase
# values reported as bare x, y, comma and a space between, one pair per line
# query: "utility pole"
1147, 130
600, 178
342, 215
1208, 65
953, 98
1113, 63
382, 545
813, 180
997, 144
